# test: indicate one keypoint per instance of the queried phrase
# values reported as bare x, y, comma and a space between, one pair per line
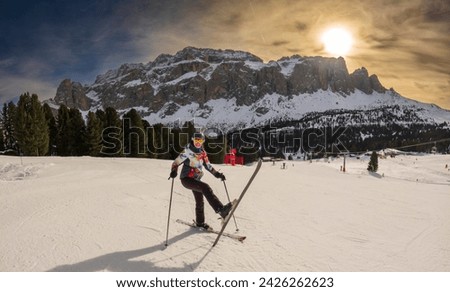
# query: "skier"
193, 159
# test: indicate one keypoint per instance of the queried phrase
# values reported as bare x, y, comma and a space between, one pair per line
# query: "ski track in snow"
110, 214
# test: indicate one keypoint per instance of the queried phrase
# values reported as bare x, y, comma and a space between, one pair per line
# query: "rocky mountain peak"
214, 56
367, 84
195, 77
72, 94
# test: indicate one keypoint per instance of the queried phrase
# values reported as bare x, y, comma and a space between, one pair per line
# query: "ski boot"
203, 226
225, 210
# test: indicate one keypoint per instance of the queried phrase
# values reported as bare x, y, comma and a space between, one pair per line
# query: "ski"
235, 205
240, 238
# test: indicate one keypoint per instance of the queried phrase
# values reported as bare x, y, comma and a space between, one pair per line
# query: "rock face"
73, 95
201, 75
361, 80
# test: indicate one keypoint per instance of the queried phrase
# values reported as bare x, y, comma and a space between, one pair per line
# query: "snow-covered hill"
110, 214
371, 109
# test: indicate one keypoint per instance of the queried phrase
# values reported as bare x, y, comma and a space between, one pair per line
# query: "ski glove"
220, 175
173, 173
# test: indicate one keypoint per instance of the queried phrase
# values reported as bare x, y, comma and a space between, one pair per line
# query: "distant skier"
193, 159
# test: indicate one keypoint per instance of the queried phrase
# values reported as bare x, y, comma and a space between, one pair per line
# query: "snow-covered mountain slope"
232, 89
307, 217
227, 115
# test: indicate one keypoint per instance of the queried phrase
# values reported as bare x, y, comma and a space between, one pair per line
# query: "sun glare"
337, 41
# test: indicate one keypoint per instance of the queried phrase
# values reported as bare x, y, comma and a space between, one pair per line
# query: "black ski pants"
200, 189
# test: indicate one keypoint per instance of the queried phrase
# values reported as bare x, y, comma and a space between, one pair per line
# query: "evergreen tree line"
325, 139
32, 129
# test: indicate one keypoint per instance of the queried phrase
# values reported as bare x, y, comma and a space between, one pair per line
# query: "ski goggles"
199, 140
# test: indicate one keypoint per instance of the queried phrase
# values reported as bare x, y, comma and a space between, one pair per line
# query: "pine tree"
180, 137
2, 142
187, 131
134, 140
20, 122
40, 129
77, 130
63, 146
216, 148
373, 163
159, 142
93, 135
248, 145
101, 116
112, 134
8, 117
175, 136
147, 128
152, 145
31, 129
52, 129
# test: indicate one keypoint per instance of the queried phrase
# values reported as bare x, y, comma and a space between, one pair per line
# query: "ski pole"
170, 207
226, 190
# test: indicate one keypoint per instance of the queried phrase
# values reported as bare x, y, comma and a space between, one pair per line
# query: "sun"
337, 41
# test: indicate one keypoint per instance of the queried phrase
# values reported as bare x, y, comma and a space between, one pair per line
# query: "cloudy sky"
405, 42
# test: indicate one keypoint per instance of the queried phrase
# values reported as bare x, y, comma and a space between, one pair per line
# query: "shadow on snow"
122, 261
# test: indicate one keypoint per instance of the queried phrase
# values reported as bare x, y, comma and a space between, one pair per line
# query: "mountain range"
233, 90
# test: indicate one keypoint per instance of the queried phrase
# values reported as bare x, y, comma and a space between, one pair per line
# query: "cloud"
300, 26
404, 42
12, 86
436, 10
279, 43
24, 75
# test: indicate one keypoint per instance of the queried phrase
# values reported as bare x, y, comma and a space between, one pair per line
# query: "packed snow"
110, 214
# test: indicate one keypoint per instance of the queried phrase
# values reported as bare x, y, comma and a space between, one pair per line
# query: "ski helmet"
198, 139
198, 135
